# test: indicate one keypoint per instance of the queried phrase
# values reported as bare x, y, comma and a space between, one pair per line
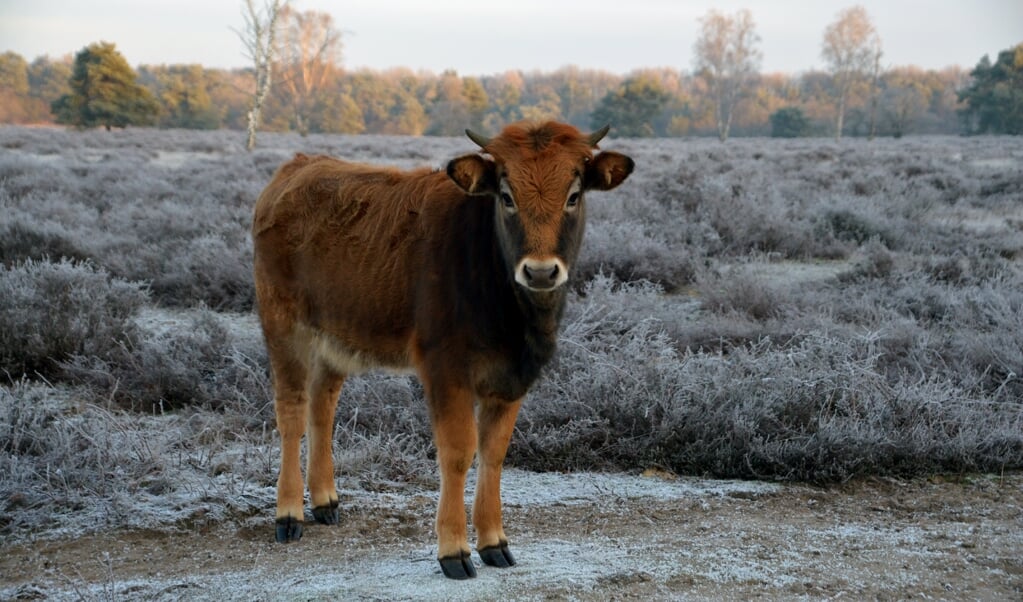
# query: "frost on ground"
578, 536
779, 309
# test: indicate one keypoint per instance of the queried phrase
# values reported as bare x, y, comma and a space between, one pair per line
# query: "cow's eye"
507, 200
573, 200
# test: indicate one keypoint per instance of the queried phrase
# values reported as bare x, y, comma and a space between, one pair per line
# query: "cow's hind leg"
496, 423
291, 406
454, 429
324, 387
291, 402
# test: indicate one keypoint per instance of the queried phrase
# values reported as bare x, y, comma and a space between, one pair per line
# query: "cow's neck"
541, 314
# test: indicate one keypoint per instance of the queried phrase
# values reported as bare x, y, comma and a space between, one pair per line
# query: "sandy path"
581, 537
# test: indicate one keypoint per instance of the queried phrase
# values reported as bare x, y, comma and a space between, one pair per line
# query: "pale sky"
483, 37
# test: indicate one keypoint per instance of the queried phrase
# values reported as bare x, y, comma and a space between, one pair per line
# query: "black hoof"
289, 529
499, 556
458, 567
328, 515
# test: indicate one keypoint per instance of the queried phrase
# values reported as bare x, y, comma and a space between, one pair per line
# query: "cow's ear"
607, 170
474, 174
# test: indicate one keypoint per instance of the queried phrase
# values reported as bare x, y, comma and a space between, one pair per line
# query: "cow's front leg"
496, 423
454, 431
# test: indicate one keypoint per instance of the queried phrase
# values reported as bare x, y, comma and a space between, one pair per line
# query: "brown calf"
458, 275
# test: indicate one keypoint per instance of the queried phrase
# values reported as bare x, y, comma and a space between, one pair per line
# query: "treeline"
646, 102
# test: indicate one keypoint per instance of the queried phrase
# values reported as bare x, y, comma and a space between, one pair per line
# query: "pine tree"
789, 122
994, 99
104, 92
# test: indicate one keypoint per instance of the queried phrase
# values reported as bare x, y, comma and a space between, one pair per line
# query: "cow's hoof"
328, 515
499, 556
458, 567
289, 529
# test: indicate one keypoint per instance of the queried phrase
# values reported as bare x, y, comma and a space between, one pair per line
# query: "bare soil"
579, 537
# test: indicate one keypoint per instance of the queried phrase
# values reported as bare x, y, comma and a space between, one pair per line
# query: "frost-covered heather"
794, 309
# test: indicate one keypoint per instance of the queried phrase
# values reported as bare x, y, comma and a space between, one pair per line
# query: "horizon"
647, 34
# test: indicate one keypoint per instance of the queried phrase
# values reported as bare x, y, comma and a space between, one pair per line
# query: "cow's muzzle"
541, 274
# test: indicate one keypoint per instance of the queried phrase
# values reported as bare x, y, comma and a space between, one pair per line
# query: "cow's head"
537, 175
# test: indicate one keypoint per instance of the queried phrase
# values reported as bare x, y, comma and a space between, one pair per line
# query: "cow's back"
336, 249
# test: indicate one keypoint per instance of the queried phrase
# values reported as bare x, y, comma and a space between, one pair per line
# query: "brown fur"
358, 266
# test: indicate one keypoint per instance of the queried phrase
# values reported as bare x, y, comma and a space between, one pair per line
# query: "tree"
994, 98
851, 48
507, 99
875, 92
47, 81
374, 99
336, 114
904, 99
789, 123
632, 107
476, 101
14, 88
259, 38
183, 93
547, 105
104, 92
450, 111
310, 53
726, 58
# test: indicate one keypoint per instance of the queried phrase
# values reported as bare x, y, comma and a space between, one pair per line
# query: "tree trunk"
724, 117
841, 116
262, 89
250, 142
873, 118
259, 39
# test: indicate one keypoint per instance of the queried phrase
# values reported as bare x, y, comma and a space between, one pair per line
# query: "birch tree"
728, 60
851, 49
259, 38
310, 51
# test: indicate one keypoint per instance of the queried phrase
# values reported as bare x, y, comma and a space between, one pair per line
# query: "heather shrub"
383, 428
626, 251
770, 308
742, 294
815, 408
184, 231
194, 361
30, 238
849, 225
877, 262
53, 464
207, 270
72, 466
51, 311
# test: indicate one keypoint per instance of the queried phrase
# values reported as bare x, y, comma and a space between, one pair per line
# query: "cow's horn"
483, 141
597, 136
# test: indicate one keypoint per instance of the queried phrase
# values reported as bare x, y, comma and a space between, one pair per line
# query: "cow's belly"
348, 359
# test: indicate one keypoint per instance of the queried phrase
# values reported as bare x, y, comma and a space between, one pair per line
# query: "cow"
459, 275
